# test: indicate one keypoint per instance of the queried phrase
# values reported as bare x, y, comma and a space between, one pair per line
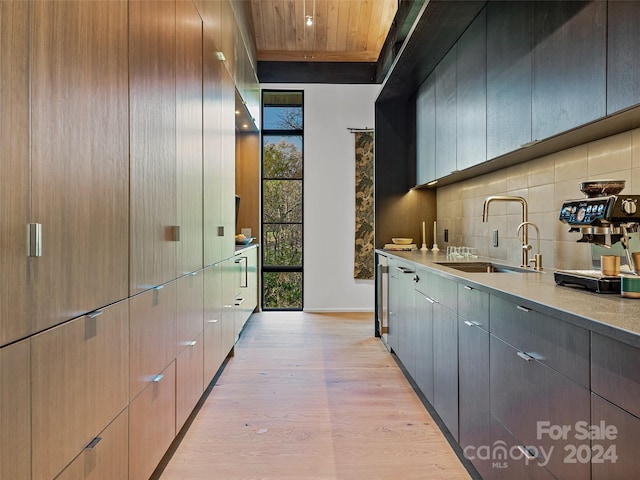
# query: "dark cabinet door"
569, 65
426, 131
614, 451
623, 55
406, 319
424, 348
394, 302
508, 76
471, 102
445, 366
533, 401
446, 114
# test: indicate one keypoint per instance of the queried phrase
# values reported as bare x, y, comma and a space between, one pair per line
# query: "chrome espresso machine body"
603, 218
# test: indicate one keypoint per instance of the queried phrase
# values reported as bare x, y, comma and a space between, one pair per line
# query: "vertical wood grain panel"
79, 385
79, 157
15, 411
248, 181
189, 135
190, 308
228, 139
14, 165
152, 425
153, 342
152, 65
189, 380
108, 460
212, 321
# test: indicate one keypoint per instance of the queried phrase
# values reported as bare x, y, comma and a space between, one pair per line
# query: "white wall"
329, 194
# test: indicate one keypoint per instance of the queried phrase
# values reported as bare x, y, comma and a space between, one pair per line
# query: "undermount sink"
484, 267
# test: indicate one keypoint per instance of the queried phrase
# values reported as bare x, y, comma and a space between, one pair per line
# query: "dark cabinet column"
623, 55
445, 366
426, 131
569, 65
471, 103
508, 76
446, 114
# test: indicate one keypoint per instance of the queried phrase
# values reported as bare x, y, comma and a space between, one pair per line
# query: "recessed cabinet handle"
524, 356
95, 313
93, 443
467, 287
193, 274
524, 309
34, 239
469, 324
527, 453
239, 301
157, 378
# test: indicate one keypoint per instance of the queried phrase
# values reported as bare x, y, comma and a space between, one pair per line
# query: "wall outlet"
446, 235
495, 237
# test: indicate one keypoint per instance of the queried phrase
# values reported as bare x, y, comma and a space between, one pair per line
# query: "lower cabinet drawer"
152, 424
107, 458
189, 380
506, 460
535, 402
614, 448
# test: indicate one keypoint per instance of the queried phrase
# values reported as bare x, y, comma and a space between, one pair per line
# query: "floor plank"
312, 396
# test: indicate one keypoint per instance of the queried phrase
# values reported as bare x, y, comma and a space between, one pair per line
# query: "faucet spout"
525, 220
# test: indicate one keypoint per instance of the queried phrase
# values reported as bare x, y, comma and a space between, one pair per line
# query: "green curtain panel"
364, 254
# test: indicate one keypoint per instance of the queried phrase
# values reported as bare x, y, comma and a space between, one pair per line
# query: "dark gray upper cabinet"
471, 103
508, 76
446, 114
569, 65
426, 131
623, 56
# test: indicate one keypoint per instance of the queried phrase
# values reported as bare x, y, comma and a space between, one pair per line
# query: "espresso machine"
604, 218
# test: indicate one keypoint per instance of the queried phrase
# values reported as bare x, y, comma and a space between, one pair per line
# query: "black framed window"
282, 188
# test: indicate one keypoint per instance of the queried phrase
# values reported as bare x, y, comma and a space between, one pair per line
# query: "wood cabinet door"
190, 304
15, 410
623, 55
79, 157
426, 131
106, 458
212, 321
79, 384
446, 114
471, 91
153, 335
508, 76
15, 322
212, 147
152, 129
189, 380
569, 81
152, 424
189, 136
228, 139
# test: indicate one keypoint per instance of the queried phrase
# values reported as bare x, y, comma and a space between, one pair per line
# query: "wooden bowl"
402, 241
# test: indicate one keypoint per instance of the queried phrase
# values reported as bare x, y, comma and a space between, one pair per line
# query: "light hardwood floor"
312, 396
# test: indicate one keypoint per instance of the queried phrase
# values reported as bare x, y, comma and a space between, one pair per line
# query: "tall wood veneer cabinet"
79, 385
15, 410
152, 103
14, 163
189, 65
79, 157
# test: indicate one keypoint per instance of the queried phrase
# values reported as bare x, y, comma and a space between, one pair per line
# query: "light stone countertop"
608, 314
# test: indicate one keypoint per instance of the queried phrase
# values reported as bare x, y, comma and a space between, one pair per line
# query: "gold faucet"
524, 262
537, 258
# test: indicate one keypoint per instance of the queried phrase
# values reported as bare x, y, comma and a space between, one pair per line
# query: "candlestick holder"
424, 247
435, 248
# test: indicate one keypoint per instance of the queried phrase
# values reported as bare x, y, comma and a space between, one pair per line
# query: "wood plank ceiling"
341, 30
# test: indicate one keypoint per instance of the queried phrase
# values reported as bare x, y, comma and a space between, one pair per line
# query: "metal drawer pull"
469, 324
524, 309
213, 320
192, 343
405, 270
467, 287
193, 274
34, 239
524, 356
157, 378
95, 313
93, 443
527, 453
430, 300
159, 287
239, 301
